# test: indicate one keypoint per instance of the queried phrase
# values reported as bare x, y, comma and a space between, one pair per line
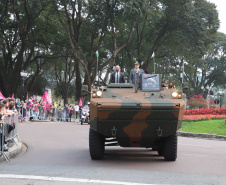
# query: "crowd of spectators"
38, 110
7, 108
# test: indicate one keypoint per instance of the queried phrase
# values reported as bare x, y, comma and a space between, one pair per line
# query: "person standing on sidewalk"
71, 112
59, 112
36, 110
43, 110
28, 103
76, 107
48, 106
67, 110
53, 110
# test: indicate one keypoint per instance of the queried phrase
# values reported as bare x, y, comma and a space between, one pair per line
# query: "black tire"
96, 145
160, 148
82, 121
170, 148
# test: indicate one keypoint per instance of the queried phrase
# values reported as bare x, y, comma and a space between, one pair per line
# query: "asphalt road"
58, 153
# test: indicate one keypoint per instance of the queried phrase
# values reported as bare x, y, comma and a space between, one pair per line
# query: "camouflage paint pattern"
136, 119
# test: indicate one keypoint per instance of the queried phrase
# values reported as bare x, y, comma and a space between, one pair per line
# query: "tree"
64, 71
103, 20
24, 26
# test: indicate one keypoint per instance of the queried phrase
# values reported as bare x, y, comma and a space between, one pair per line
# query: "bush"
212, 111
202, 117
197, 102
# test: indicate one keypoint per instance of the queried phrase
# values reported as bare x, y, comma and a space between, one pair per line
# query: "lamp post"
221, 94
208, 101
23, 74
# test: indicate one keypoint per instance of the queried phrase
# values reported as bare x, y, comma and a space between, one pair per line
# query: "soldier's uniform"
135, 73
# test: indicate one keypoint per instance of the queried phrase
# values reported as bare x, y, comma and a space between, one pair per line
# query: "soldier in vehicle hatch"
135, 73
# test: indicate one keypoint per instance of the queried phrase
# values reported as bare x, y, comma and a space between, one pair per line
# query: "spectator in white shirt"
76, 108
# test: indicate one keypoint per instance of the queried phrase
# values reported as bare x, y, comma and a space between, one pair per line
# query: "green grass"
217, 127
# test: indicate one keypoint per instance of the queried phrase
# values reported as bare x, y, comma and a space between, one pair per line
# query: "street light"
221, 94
23, 74
208, 100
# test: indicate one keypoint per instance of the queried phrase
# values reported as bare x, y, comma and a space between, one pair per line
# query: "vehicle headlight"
94, 93
99, 93
174, 94
177, 95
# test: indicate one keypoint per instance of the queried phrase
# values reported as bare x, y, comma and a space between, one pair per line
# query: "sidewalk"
14, 150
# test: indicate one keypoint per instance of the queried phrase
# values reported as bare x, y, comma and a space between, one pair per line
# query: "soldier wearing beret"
135, 73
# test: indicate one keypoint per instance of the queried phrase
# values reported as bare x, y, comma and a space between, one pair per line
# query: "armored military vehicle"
148, 116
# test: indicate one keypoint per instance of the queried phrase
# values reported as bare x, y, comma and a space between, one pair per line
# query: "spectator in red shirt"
71, 112
48, 106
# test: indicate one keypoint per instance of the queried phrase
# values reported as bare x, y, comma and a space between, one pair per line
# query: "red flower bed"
210, 111
202, 117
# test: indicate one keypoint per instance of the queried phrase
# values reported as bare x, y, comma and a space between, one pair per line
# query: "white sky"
221, 7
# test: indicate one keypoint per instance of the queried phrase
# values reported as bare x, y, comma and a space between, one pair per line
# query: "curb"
40, 121
13, 151
203, 136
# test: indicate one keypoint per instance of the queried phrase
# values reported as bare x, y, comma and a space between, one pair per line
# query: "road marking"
196, 145
63, 179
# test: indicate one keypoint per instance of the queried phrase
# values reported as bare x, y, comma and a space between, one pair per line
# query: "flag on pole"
97, 53
153, 55
12, 96
27, 96
46, 97
33, 97
2, 97
80, 102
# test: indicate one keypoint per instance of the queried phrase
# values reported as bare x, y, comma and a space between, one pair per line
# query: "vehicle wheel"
82, 121
96, 145
170, 148
160, 149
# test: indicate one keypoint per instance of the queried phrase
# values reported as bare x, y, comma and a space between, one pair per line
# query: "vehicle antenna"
135, 84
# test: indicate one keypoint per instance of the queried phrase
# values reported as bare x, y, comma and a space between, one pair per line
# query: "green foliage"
37, 36
217, 127
36, 85
197, 102
60, 90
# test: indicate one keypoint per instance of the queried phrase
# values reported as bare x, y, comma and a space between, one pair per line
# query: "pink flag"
12, 96
1, 96
33, 97
80, 102
43, 97
27, 96
46, 97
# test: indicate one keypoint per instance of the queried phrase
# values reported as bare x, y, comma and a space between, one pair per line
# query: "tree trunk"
78, 81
